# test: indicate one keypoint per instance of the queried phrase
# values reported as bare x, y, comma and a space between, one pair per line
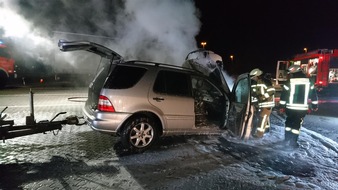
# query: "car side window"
242, 91
123, 77
172, 83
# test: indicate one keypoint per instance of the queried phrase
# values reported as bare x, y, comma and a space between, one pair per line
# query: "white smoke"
229, 79
154, 30
160, 30
26, 38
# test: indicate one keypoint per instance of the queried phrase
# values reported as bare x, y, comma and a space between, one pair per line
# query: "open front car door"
239, 122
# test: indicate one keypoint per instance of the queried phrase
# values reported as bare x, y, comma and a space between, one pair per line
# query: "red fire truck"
321, 66
6, 65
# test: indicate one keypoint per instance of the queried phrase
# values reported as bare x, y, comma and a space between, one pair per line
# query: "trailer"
8, 130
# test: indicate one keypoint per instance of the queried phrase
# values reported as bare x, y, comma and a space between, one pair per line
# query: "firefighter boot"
259, 133
287, 137
267, 129
260, 130
293, 140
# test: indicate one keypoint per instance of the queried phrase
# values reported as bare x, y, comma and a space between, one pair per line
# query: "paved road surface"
79, 158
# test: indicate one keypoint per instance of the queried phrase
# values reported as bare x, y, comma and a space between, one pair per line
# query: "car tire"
139, 134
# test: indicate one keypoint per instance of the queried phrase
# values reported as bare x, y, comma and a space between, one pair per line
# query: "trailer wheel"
3, 79
139, 133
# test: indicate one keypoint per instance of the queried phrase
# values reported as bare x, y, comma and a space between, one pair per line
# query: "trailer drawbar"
8, 130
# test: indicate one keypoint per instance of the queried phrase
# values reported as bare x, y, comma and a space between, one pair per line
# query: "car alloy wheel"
139, 133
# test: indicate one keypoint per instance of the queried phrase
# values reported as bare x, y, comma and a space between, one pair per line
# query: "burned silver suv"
141, 101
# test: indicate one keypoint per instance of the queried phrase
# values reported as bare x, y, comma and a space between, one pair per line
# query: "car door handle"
158, 99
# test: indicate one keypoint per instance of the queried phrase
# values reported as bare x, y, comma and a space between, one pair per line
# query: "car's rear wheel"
139, 133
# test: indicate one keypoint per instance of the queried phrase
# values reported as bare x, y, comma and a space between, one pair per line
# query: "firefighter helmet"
294, 69
256, 72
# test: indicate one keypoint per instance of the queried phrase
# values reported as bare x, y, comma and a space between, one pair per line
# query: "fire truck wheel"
3, 79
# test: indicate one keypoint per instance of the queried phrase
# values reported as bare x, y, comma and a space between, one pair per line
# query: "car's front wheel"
139, 134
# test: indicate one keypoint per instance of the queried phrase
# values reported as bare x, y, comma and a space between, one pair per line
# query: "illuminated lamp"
104, 104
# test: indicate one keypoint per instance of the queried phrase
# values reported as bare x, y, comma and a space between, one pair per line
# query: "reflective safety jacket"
297, 93
263, 93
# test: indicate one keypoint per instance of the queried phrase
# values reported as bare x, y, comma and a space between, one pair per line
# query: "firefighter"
263, 100
295, 100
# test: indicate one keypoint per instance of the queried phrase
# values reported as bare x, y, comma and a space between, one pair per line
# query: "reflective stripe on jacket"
263, 94
297, 92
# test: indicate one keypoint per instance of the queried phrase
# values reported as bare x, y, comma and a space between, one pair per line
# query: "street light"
231, 58
305, 50
203, 44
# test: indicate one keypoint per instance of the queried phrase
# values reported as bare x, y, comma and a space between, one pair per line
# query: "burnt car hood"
90, 47
209, 64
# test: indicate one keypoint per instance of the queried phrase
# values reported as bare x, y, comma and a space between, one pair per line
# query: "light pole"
305, 50
203, 44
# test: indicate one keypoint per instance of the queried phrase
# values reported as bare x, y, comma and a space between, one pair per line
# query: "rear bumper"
104, 121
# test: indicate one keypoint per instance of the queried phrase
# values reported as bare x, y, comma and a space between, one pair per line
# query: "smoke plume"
154, 30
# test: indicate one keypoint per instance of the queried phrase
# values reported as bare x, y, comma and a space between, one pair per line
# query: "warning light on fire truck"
321, 66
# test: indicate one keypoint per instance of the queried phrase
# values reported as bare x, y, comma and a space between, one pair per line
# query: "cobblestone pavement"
79, 158
74, 158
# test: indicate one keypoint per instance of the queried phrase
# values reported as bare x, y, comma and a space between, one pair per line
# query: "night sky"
258, 33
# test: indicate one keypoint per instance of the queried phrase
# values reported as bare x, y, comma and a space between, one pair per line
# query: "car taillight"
105, 104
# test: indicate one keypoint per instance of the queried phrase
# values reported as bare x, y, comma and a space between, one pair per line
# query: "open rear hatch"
104, 67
